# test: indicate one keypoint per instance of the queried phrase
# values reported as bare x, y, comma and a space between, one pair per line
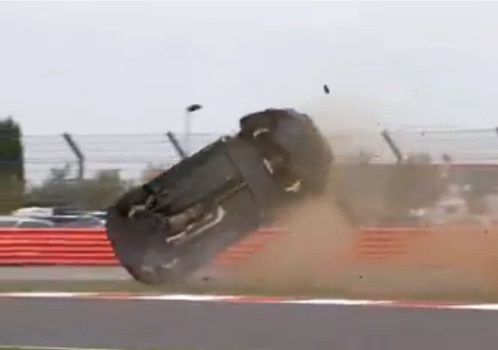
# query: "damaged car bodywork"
170, 226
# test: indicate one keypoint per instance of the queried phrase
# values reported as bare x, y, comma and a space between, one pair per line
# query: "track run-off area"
63, 321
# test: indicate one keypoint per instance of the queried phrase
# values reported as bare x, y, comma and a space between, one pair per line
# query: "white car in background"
33, 212
24, 222
79, 219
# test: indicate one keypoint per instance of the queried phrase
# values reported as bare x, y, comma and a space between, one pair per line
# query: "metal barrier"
453, 247
55, 247
467, 248
240, 253
90, 247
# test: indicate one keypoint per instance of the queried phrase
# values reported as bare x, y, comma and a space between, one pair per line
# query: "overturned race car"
172, 225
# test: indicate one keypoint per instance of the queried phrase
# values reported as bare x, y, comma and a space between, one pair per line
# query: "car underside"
172, 225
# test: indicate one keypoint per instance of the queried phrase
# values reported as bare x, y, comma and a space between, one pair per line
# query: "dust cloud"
352, 124
318, 235
344, 114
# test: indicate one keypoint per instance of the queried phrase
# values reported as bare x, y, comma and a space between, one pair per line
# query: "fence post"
189, 110
176, 145
392, 145
77, 152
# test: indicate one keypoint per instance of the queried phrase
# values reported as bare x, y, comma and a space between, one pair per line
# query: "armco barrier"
470, 249
464, 247
240, 253
90, 247
55, 247
446, 261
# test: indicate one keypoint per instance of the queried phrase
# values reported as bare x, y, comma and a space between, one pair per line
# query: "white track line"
241, 299
27, 347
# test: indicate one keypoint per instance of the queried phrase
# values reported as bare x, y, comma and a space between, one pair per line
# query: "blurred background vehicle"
24, 222
76, 221
60, 218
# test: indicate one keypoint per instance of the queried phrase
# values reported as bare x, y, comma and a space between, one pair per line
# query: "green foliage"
11, 165
414, 184
95, 193
103, 189
373, 193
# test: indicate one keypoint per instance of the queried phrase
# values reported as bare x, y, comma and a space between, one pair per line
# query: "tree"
96, 193
415, 183
102, 190
11, 165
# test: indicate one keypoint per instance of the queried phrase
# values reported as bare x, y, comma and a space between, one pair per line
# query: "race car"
174, 224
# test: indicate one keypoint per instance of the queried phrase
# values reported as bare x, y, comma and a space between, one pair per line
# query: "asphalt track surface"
132, 324
59, 273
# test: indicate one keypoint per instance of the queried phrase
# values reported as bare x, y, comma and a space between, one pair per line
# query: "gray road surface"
218, 326
54, 273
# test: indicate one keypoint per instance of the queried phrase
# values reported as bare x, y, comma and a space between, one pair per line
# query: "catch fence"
132, 154
56, 166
